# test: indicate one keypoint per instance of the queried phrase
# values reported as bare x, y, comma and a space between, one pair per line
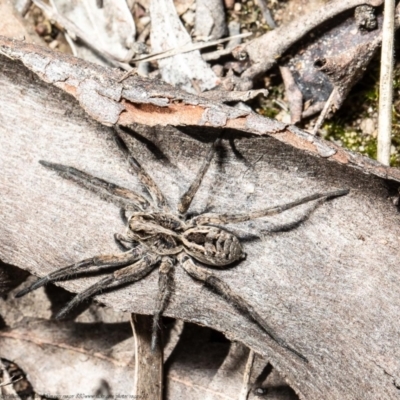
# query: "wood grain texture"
331, 287
148, 364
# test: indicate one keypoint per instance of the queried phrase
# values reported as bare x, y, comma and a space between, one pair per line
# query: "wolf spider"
157, 237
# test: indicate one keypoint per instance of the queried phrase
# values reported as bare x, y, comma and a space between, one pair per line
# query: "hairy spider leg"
186, 199
148, 182
223, 289
117, 260
131, 273
210, 218
165, 283
294, 224
117, 195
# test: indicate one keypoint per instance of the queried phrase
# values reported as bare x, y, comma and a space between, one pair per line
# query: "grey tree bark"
330, 286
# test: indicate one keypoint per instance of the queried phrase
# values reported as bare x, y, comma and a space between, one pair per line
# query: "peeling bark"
142, 101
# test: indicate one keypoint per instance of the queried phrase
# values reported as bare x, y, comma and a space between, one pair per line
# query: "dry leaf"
110, 27
187, 71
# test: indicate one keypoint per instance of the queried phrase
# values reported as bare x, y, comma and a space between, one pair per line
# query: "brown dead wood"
70, 358
331, 286
328, 62
95, 353
265, 51
148, 363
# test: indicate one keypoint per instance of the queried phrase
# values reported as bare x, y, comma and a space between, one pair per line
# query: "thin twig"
7, 388
246, 376
11, 381
293, 94
234, 30
180, 50
386, 85
266, 13
324, 112
187, 48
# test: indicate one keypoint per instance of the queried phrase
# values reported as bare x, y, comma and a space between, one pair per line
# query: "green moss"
361, 103
251, 19
351, 139
268, 107
270, 112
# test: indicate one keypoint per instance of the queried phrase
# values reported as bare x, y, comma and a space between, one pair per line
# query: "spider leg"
236, 218
187, 197
165, 282
294, 224
119, 260
143, 176
223, 289
131, 273
117, 195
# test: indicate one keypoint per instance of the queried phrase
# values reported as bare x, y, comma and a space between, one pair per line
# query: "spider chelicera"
157, 237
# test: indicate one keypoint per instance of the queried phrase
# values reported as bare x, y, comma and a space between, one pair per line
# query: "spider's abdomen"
212, 246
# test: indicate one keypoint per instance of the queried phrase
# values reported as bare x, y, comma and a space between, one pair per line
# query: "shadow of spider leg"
121, 197
154, 191
202, 274
187, 197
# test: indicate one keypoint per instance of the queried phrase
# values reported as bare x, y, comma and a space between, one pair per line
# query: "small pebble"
367, 126
189, 17
54, 44
218, 70
249, 188
237, 7
145, 20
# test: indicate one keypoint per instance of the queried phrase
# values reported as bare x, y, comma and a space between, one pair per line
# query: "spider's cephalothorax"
155, 236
